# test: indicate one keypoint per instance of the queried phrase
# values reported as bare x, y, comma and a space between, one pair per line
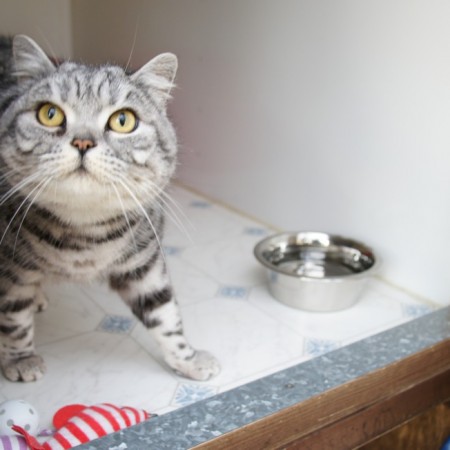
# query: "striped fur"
76, 214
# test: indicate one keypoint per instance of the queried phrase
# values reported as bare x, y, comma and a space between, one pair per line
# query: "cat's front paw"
201, 367
30, 368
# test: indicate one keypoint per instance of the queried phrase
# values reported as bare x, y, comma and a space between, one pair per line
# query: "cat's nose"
83, 145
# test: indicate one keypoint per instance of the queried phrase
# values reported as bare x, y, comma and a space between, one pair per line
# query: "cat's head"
81, 136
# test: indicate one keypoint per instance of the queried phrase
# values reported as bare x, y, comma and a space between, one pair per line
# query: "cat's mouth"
81, 169
84, 172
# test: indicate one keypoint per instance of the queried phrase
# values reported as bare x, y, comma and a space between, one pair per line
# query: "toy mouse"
78, 424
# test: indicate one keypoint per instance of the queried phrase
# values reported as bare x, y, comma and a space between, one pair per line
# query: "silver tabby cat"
85, 153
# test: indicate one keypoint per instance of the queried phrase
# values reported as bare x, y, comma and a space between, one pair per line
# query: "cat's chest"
87, 264
79, 254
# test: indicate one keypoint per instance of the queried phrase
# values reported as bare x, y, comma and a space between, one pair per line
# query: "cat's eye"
123, 121
50, 115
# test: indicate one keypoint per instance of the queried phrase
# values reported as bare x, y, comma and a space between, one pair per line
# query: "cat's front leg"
17, 356
150, 297
165, 325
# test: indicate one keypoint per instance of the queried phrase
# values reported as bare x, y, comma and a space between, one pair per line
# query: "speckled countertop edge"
207, 419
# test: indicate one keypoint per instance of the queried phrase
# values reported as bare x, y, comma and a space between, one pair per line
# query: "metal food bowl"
316, 271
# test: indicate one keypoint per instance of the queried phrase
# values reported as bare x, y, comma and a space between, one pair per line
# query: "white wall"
309, 115
46, 21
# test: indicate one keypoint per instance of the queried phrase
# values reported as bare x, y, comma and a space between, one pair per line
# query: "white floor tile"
245, 340
229, 260
190, 284
371, 314
70, 312
105, 298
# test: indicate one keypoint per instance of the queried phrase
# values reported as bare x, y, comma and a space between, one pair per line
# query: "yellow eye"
123, 121
50, 115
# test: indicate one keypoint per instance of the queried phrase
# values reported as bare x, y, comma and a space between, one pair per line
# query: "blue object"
446, 445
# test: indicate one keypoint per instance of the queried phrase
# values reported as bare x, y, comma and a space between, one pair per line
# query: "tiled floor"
97, 352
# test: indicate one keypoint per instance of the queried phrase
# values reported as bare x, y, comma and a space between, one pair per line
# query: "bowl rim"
262, 244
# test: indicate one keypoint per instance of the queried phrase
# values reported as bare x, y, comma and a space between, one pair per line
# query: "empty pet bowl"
316, 271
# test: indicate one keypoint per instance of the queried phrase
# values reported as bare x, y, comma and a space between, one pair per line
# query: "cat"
85, 155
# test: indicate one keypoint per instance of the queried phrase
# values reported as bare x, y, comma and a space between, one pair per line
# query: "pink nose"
83, 144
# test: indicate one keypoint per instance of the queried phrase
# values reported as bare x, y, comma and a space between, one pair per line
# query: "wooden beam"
363, 426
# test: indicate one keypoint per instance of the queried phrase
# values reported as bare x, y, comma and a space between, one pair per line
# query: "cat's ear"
30, 61
158, 74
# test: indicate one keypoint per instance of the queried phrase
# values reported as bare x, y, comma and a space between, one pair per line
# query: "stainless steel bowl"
316, 271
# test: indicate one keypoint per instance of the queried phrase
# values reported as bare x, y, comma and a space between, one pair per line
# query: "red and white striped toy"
78, 424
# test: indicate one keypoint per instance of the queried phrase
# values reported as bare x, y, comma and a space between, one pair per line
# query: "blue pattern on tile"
186, 393
117, 324
255, 231
233, 292
413, 311
317, 347
201, 204
171, 250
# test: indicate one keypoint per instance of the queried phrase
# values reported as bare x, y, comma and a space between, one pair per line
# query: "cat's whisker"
17, 170
19, 208
125, 215
42, 185
173, 213
47, 42
144, 212
26, 181
185, 219
170, 211
176, 205
6, 174
127, 65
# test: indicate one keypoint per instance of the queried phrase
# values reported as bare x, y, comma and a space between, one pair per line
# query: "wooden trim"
354, 413
362, 427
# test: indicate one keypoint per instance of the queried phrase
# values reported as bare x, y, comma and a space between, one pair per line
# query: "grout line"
65, 338
414, 295
226, 205
371, 332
